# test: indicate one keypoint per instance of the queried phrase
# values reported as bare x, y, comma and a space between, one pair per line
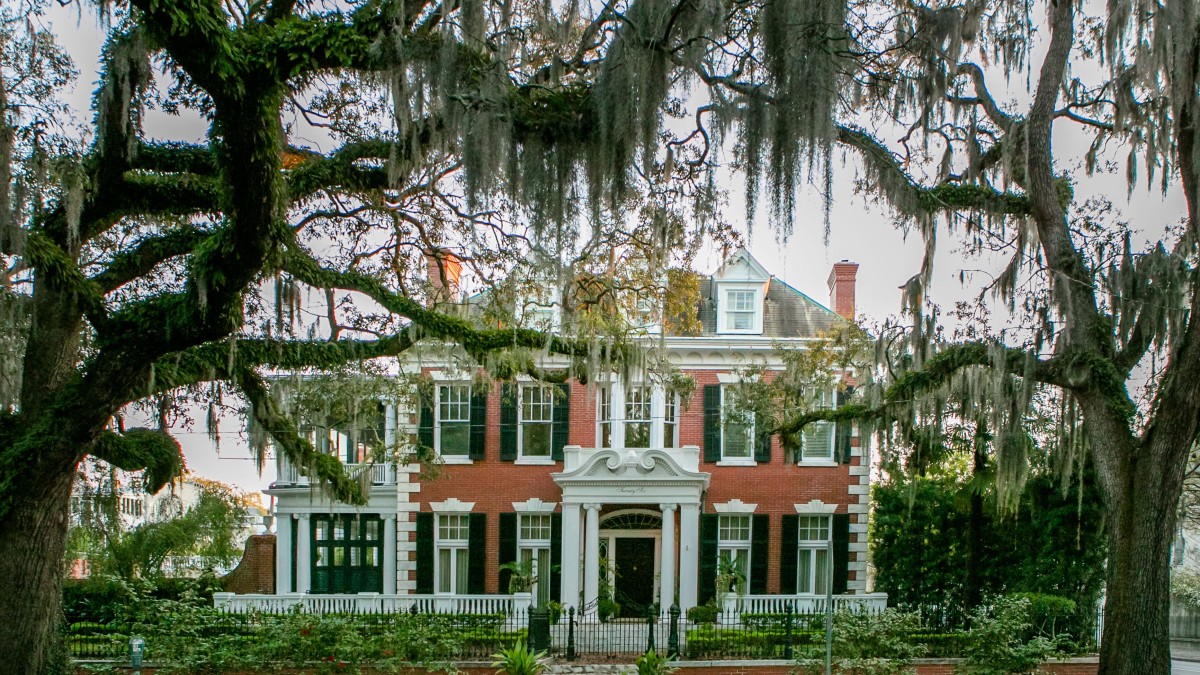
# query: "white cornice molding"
451, 505
534, 505
815, 507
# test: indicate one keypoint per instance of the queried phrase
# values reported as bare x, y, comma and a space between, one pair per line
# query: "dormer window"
740, 310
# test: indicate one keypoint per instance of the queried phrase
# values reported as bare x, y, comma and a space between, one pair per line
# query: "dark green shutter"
424, 553
760, 530
508, 422
712, 422
762, 447
478, 424
707, 576
789, 550
841, 438
425, 426
561, 429
841, 552
556, 556
508, 548
476, 551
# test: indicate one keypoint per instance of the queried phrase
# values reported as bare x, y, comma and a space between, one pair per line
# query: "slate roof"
786, 313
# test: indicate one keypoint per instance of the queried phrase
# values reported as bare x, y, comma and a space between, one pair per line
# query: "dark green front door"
347, 553
635, 575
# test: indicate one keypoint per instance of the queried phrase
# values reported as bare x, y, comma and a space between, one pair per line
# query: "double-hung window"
737, 428
813, 568
535, 422
819, 436
733, 549
671, 422
637, 417
452, 430
740, 310
453, 533
533, 549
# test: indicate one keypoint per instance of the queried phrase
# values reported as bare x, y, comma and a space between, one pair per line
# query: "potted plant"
730, 584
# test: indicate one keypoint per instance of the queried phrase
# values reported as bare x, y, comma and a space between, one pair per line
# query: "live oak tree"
509, 124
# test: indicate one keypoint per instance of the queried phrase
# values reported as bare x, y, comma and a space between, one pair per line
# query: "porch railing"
373, 603
381, 474
872, 603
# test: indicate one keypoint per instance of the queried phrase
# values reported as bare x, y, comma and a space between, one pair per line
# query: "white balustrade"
373, 603
383, 473
872, 603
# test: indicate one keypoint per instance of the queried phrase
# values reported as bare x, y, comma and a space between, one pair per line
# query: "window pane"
818, 441
637, 434
737, 440
814, 528
735, 529
463, 570
372, 527
455, 439
339, 529
804, 582
542, 572
535, 528
821, 582
535, 404
535, 440
322, 556
445, 579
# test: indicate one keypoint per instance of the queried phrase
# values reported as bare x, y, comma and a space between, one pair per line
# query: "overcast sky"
861, 232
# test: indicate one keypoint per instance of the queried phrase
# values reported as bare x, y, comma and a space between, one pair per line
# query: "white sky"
861, 232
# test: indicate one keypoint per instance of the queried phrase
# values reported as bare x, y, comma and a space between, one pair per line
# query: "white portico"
666, 479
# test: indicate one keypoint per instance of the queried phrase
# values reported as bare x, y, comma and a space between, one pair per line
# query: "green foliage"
706, 613
871, 644
1054, 545
521, 575
651, 663
1185, 586
997, 644
520, 660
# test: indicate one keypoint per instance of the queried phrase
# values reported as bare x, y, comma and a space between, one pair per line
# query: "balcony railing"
381, 474
374, 603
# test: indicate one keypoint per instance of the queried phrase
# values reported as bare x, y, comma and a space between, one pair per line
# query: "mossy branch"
155, 451
132, 264
325, 468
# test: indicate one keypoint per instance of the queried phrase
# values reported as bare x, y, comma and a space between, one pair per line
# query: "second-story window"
737, 427
452, 431
637, 417
535, 421
819, 436
671, 422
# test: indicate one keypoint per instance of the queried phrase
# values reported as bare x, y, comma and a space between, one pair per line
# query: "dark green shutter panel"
508, 548
425, 427
508, 422
841, 552
562, 422
556, 556
424, 552
760, 530
380, 426
762, 447
476, 551
789, 550
841, 438
712, 422
478, 425
707, 576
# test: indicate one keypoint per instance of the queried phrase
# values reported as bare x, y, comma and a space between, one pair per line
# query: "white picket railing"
381, 473
872, 603
373, 603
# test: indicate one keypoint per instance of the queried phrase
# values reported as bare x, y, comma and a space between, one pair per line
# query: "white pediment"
742, 267
630, 475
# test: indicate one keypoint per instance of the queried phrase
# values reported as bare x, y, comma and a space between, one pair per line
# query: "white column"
666, 595
304, 554
389, 426
658, 414
570, 556
591, 558
389, 553
283, 553
689, 552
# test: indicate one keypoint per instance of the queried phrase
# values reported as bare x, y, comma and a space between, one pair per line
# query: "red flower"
304, 631
387, 652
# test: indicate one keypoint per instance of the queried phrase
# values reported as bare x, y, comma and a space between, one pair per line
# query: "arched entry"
631, 549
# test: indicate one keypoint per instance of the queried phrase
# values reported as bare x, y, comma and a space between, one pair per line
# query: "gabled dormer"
740, 287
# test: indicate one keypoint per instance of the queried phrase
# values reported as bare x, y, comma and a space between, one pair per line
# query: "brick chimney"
841, 287
443, 268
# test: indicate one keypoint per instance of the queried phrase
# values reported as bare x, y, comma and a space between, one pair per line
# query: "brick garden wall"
256, 571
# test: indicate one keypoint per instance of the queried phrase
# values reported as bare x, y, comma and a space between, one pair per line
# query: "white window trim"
741, 545
756, 324
437, 422
806, 545
815, 507
534, 545
736, 507
736, 461
451, 505
440, 545
539, 460
534, 505
831, 460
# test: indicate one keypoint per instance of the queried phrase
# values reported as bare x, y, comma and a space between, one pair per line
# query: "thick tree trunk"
1135, 639
33, 538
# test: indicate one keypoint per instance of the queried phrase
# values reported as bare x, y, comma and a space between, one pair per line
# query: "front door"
635, 575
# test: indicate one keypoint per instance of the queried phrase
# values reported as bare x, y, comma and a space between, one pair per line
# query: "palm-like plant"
519, 660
